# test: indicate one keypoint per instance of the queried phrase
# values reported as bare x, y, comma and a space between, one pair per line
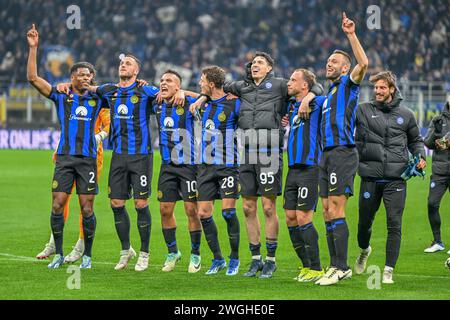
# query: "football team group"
226, 142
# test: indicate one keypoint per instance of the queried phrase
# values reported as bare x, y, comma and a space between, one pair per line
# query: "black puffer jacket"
439, 127
262, 106
384, 134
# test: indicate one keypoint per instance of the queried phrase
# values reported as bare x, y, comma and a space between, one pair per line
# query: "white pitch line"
12, 257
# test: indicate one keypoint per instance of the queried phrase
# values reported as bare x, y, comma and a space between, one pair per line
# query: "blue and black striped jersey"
339, 114
130, 114
176, 133
77, 115
304, 136
219, 138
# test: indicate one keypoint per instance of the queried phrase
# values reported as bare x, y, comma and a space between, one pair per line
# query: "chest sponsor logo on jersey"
168, 122
80, 114
122, 112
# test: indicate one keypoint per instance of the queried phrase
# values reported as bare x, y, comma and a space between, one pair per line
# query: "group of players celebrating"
321, 153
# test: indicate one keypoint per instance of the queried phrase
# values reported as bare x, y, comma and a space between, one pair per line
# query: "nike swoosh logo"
91, 189
301, 204
398, 190
192, 197
142, 193
69, 100
268, 189
374, 116
196, 267
331, 190
228, 193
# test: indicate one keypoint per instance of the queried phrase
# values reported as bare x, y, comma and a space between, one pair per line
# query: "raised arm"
39, 83
358, 73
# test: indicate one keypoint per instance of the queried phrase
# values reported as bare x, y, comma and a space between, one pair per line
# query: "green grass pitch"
25, 185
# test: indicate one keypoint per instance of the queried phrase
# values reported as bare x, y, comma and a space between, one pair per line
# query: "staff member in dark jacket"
437, 139
385, 132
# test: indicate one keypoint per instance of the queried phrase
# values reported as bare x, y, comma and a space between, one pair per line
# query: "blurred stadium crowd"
412, 41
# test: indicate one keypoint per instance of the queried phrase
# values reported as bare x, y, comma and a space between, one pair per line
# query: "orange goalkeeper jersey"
102, 124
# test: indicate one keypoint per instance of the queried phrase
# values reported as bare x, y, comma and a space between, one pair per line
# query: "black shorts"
217, 182
261, 180
337, 171
301, 190
79, 169
177, 182
130, 175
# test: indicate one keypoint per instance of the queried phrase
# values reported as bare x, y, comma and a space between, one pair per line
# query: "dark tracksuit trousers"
438, 186
393, 194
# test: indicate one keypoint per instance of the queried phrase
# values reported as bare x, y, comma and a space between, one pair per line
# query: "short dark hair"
345, 54
387, 76
215, 75
82, 64
308, 76
174, 73
139, 63
266, 56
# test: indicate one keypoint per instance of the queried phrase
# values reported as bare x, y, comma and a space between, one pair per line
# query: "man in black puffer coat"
385, 134
440, 178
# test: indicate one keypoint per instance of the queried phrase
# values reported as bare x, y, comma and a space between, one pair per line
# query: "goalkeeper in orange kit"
101, 133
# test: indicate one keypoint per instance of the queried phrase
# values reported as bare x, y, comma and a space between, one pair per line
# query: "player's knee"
291, 221
269, 210
249, 209
204, 212
58, 205
87, 209
304, 218
117, 203
166, 211
325, 208
203, 215
140, 203
191, 210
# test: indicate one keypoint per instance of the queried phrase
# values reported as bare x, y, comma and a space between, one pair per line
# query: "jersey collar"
129, 87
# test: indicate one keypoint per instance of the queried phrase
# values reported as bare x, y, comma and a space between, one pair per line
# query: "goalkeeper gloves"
99, 137
411, 170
